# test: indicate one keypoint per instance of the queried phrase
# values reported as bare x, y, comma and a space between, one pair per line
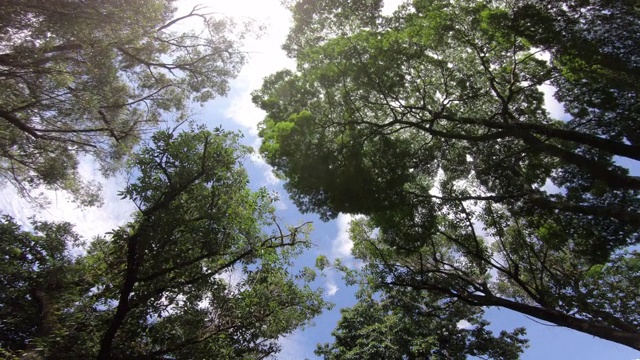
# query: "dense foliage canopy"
93, 77
161, 287
432, 123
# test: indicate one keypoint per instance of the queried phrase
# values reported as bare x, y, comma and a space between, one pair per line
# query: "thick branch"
631, 339
14, 60
606, 145
122, 309
626, 217
15, 121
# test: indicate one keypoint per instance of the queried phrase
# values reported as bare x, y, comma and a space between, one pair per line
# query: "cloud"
280, 205
264, 56
555, 109
435, 190
258, 160
341, 246
247, 116
267, 171
550, 188
234, 277
389, 6
271, 23
331, 287
464, 324
293, 345
89, 222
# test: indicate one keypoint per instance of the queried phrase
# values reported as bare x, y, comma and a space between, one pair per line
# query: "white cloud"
89, 222
464, 324
555, 109
267, 171
265, 56
435, 190
341, 246
234, 277
280, 205
242, 112
331, 287
293, 345
390, 6
262, 48
550, 188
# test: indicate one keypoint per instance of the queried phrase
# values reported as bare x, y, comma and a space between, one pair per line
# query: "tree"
431, 123
155, 288
402, 323
39, 279
591, 44
374, 330
93, 77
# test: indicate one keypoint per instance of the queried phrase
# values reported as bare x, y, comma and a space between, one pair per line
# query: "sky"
236, 112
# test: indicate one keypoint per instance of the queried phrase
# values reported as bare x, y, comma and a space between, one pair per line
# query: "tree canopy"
159, 287
404, 323
432, 123
93, 77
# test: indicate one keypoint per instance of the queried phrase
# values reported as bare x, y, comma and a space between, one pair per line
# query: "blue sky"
236, 112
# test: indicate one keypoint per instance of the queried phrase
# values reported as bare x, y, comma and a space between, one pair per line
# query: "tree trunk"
123, 308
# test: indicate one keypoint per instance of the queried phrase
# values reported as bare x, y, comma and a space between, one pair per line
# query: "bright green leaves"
295, 143
277, 133
409, 325
169, 165
316, 21
596, 79
595, 287
322, 262
395, 318
197, 222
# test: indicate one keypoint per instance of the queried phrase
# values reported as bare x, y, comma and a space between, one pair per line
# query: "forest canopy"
203, 269
432, 123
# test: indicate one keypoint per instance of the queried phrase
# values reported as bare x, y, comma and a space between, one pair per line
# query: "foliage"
39, 279
592, 49
431, 122
398, 323
93, 77
163, 285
